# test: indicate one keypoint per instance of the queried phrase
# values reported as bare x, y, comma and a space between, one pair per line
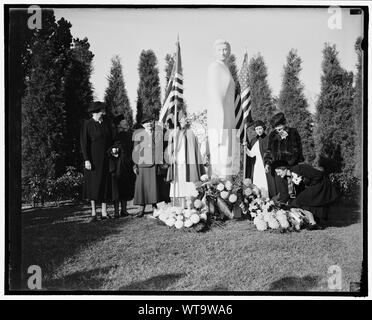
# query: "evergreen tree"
358, 107
78, 96
116, 96
43, 107
169, 62
139, 107
231, 63
334, 133
149, 86
293, 103
263, 107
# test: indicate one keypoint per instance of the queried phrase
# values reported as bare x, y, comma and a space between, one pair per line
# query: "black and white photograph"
186, 149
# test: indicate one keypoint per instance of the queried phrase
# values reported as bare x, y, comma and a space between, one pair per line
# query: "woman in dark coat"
284, 144
253, 163
146, 158
96, 138
318, 194
121, 167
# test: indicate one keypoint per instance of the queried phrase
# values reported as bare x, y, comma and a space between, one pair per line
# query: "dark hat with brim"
96, 106
118, 118
146, 119
278, 119
258, 123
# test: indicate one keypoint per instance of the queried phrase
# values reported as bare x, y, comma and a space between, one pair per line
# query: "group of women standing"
122, 164
108, 173
275, 164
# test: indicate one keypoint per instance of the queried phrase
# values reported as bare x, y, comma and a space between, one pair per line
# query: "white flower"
188, 223
256, 191
273, 223
179, 224
204, 177
282, 219
170, 222
163, 216
257, 219
261, 225
233, 198
156, 213
194, 193
247, 182
187, 213
195, 218
248, 192
203, 216
198, 204
267, 216
228, 185
224, 195
220, 187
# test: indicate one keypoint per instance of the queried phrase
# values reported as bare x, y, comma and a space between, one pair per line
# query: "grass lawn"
139, 254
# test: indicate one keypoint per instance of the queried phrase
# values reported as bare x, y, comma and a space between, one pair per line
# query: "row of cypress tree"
57, 70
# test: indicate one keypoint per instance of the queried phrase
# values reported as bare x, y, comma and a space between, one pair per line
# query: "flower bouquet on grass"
267, 215
250, 198
179, 218
219, 196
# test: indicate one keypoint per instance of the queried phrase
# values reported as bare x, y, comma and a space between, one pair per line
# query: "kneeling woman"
319, 192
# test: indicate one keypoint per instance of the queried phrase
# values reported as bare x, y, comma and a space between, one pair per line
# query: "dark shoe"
106, 217
140, 214
124, 213
92, 219
315, 227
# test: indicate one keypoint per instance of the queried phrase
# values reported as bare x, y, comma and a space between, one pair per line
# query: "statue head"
222, 49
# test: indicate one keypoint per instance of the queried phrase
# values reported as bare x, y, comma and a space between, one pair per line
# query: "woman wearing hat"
96, 138
121, 167
187, 167
255, 166
319, 192
284, 144
145, 157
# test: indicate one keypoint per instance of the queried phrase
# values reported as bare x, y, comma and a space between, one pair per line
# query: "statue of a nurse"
223, 142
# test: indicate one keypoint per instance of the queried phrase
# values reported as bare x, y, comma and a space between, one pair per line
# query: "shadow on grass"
52, 235
343, 215
295, 283
82, 280
157, 283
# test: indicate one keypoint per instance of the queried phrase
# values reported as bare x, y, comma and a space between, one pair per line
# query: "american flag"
243, 104
174, 92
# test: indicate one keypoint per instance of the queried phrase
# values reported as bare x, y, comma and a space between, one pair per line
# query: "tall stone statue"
223, 142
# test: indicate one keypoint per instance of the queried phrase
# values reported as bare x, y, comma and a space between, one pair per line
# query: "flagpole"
245, 135
175, 130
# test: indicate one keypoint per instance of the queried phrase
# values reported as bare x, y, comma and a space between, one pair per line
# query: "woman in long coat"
96, 138
121, 167
255, 161
284, 144
187, 166
318, 194
145, 154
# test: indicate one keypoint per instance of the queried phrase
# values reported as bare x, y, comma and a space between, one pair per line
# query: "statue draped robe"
224, 146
